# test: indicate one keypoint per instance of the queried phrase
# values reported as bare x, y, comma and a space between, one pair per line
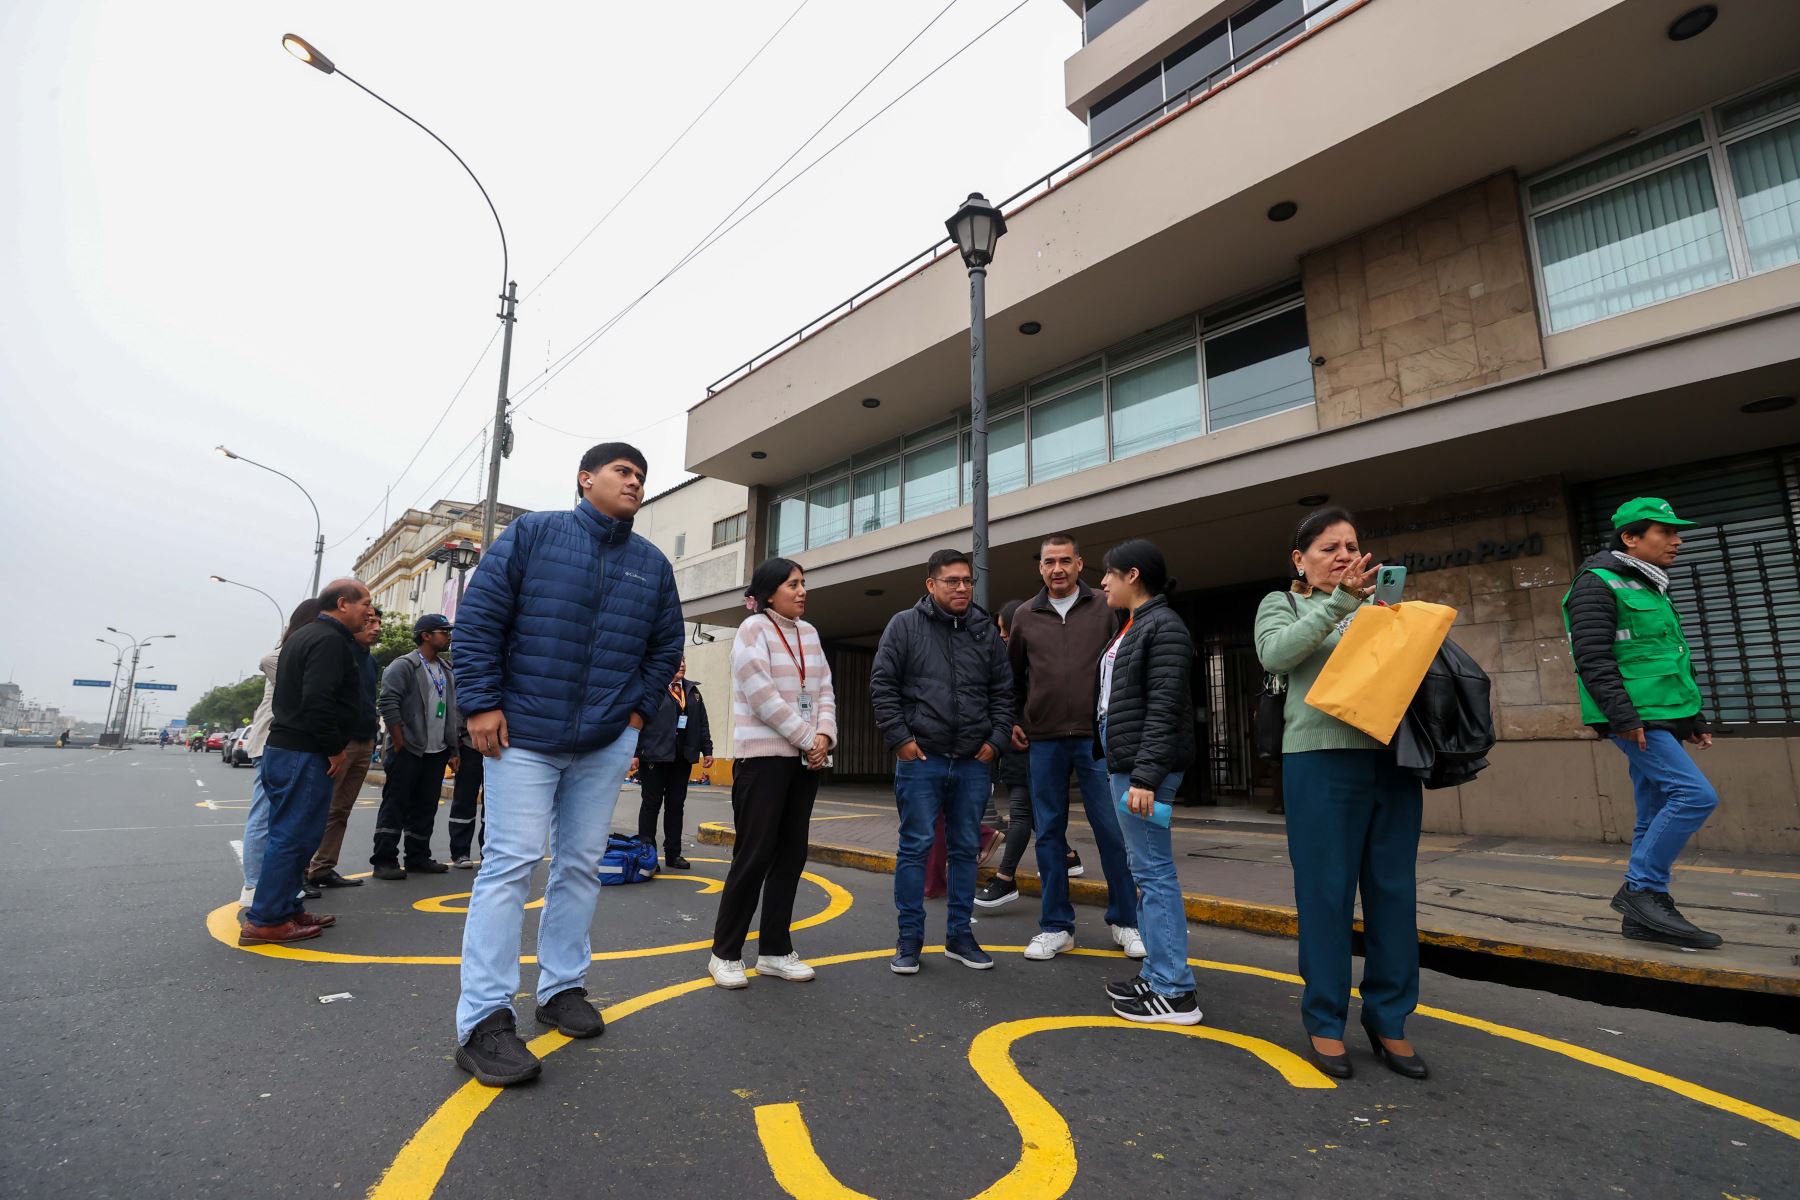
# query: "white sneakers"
1130, 941
788, 966
247, 897
1046, 946
727, 974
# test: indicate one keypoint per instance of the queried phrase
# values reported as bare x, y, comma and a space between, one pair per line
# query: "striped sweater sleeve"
762, 684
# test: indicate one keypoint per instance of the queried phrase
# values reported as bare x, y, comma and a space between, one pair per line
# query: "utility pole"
500, 444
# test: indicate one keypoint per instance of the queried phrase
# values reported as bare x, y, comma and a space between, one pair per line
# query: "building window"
729, 530
828, 512
875, 503
787, 525
1156, 404
680, 545
1068, 434
1099, 16
1258, 368
930, 479
1712, 198
1006, 455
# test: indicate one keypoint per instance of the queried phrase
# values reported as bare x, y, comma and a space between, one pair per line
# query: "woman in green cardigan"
1352, 814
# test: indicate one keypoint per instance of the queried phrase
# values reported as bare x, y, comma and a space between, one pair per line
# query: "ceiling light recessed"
871, 402
874, 591
1693, 22
1314, 500
1030, 327
759, 455
1283, 211
1768, 404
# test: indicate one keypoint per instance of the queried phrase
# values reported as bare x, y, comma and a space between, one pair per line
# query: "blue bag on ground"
627, 860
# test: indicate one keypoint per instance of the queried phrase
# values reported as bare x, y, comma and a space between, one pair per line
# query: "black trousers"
465, 804
664, 786
409, 803
771, 805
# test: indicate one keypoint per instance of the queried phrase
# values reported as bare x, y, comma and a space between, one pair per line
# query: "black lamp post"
975, 228
459, 555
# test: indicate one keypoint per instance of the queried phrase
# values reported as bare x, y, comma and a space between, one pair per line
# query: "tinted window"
1251, 24
1257, 370
1132, 105
1198, 59
1102, 15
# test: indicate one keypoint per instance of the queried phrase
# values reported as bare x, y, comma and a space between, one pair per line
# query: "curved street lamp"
112, 696
976, 227
280, 618
499, 445
137, 647
318, 528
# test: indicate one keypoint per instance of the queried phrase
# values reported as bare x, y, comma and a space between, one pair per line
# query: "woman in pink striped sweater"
786, 725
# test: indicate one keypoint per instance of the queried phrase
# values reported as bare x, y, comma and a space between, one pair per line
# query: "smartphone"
1160, 813
1389, 581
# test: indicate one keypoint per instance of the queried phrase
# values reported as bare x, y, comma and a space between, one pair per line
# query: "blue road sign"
93, 683
155, 687
178, 722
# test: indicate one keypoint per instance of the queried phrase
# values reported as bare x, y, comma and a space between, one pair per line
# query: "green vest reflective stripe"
1651, 651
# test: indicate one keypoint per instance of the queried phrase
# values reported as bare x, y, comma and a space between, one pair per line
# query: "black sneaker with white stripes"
1128, 989
1152, 1009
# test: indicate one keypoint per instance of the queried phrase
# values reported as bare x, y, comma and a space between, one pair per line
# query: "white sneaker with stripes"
1153, 1009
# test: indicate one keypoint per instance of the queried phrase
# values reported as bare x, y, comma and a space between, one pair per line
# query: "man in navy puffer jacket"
567, 636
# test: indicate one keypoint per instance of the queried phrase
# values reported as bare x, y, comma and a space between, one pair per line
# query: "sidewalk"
1536, 900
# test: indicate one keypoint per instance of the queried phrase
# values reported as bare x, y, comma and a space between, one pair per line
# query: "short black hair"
1635, 529
1142, 556
769, 575
304, 614
1005, 615
1060, 539
944, 558
1313, 525
332, 596
605, 452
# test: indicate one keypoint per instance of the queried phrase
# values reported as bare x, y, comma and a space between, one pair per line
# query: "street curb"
1277, 920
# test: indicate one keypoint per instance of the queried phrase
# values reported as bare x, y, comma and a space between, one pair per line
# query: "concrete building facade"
399, 567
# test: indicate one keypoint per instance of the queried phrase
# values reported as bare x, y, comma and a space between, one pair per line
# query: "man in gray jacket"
418, 706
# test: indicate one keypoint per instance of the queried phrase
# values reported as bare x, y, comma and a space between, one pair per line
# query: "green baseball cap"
1646, 508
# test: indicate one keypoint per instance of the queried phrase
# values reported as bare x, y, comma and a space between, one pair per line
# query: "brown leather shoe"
317, 920
287, 931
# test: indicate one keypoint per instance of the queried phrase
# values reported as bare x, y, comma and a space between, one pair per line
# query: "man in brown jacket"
1057, 640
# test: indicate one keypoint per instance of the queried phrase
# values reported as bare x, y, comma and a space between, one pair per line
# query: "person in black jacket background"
1145, 704
317, 702
941, 689
676, 738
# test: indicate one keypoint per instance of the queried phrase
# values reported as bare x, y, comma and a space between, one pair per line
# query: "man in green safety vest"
1636, 680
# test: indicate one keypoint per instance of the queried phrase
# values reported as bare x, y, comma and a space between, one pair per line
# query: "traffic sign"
155, 687
93, 683
178, 722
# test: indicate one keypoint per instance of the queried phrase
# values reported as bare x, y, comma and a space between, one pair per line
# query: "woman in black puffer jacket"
1146, 709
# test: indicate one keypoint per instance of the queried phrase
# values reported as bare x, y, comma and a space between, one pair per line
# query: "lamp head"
224, 451
975, 228
304, 50
216, 578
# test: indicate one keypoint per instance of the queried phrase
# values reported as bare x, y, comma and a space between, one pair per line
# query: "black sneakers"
495, 1055
388, 871
1653, 917
1128, 989
906, 958
572, 1015
996, 892
1153, 1009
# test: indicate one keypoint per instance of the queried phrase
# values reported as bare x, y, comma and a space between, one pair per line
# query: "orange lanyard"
1114, 648
680, 694
799, 661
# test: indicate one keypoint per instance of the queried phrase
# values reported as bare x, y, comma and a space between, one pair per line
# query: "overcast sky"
210, 242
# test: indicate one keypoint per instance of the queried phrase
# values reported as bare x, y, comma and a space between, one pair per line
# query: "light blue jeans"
567, 799
256, 829
1673, 801
1161, 912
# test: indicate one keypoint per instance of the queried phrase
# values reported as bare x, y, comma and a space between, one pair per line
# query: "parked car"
236, 750
216, 740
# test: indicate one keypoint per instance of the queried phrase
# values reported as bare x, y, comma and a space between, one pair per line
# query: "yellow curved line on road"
446, 904
1046, 1166
221, 922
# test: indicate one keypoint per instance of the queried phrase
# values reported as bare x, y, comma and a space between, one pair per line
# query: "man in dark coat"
941, 690
674, 740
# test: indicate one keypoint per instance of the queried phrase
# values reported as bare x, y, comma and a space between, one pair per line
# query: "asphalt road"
146, 1057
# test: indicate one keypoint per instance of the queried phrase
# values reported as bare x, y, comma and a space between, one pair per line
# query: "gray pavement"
149, 1058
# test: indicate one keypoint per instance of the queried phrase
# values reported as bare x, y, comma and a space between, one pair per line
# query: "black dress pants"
465, 804
409, 803
772, 803
664, 786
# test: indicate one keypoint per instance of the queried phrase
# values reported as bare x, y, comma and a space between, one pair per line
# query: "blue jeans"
256, 829
299, 796
957, 788
567, 799
1051, 761
1673, 801
1162, 914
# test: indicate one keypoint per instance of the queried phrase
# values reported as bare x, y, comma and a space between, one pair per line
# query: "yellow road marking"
221, 922
842, 817
1046, 1166
447, 904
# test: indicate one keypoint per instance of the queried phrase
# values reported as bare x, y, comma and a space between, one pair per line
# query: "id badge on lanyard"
804, 703
681, 721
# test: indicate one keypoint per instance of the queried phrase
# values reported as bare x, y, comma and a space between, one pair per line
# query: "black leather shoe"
309, 891
331, 879
1653, 917
675, 862
389, 871
494, 1053
430, 866
1411, 1066
1335, 1065
571, 1014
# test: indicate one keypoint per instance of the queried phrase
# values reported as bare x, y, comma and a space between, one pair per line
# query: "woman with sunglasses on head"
1145, 706
1353, 815
786, 724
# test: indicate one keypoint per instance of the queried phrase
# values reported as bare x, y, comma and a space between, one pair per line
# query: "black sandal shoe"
1335, 1065
1409, 1065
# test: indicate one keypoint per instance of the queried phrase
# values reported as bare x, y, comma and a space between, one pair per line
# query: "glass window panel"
1087, 372
1068, 434
1644, 241
888, 449
943, 428
1145, 344
1612, 166
787, 526
1320, 11
1767, 102
1132, 105
1765, 171
876, 504
1102, 15
828, 513
1006, 456
1197, 60
1264, 19
1156, 404
930, 480
1260, 369
831, 472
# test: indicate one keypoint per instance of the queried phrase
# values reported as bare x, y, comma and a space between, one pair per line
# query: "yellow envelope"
1378, 664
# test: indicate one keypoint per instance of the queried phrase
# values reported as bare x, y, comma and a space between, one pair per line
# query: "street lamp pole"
137, 648
500, 445
318, 527
975, 228
113, 696
280, 620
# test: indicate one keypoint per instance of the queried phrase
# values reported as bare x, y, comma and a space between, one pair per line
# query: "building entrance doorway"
1226, 681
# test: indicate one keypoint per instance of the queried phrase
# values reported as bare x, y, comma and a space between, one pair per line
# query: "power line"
667, 150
